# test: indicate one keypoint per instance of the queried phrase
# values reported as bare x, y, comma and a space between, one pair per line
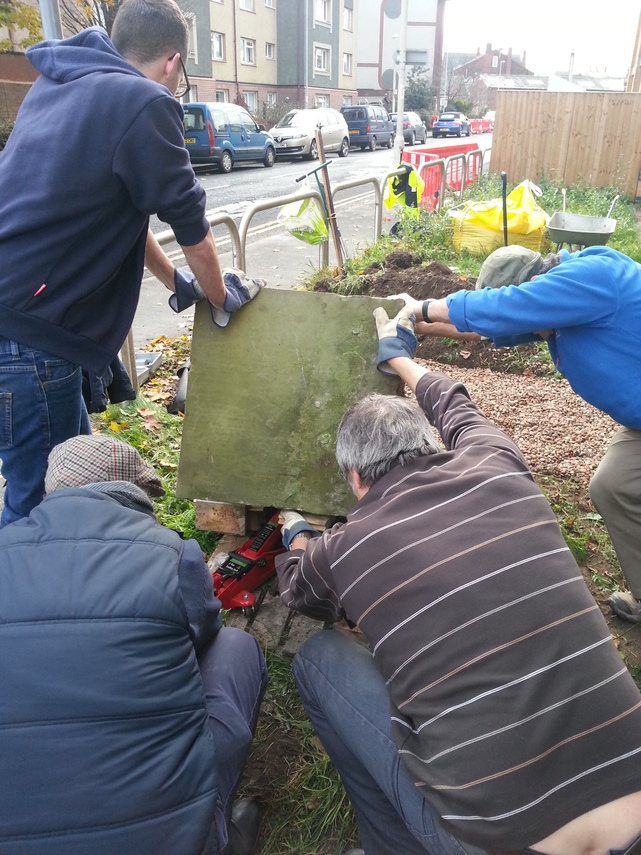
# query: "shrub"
5, 129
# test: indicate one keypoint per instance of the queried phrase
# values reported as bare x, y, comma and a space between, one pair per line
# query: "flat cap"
95, 459
509, 265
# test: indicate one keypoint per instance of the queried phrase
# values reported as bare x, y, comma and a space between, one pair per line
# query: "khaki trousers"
615, 490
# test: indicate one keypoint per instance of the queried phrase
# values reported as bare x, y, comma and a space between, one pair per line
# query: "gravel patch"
557, 431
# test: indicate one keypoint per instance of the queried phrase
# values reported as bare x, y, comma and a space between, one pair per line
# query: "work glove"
239, 289
292, 524
395, 337
187, 291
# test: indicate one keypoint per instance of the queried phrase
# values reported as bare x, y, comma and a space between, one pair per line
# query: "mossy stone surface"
266, 395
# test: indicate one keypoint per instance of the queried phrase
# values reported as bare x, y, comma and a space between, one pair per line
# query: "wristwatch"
304, 533
424, 308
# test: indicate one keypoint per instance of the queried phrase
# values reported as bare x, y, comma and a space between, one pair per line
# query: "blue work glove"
187, 291
292, 525
395, 337
240, 289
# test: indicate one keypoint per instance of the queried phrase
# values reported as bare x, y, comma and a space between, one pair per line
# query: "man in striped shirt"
493, 711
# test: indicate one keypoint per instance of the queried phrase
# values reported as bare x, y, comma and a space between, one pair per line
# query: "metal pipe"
51, 21
399, 138
378, 198
237, 249
278, 202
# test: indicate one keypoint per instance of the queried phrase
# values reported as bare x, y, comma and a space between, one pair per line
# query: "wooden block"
222, 517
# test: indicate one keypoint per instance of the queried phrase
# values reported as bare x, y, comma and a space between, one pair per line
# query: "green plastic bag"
304, 220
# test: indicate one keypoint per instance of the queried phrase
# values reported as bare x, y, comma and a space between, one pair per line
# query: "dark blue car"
452, 124
369, 126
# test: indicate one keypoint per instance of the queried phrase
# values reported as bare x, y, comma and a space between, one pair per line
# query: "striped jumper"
510, 705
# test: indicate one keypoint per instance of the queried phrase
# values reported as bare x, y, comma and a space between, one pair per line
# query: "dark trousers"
234, 677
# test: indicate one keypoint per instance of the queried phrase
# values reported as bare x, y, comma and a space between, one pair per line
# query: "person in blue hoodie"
587, 307
96, 149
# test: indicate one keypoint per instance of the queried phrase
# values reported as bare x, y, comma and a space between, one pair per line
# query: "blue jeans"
41, 405
234, 677
347, 701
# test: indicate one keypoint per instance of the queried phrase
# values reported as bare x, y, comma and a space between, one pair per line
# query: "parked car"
225, 134
452, 123
294, 134
369, 126
413, 128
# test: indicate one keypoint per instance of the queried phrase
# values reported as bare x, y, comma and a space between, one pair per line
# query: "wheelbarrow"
579, 229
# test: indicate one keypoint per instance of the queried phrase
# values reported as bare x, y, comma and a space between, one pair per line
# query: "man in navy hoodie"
97, 147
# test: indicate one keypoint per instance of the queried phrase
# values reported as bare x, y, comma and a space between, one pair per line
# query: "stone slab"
267, 393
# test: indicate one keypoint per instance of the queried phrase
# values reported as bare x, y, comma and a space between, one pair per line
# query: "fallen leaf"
152, 423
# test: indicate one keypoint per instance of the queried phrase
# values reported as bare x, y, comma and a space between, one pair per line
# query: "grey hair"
548, 263
145, 30
379, 432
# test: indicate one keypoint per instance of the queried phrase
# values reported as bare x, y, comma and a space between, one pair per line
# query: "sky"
601, 33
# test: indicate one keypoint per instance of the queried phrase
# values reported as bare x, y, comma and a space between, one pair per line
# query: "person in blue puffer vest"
587, 307
127, 711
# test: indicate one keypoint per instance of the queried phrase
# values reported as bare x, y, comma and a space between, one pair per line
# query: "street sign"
414, 57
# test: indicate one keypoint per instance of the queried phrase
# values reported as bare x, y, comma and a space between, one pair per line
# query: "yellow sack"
478, 226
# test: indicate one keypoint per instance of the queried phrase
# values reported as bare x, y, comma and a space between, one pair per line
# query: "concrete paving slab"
266, 396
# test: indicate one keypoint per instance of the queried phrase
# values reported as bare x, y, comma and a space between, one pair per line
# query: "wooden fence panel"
568, 136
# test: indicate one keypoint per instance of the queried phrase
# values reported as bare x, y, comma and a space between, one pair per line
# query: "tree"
77, 15
462, 105
419, 96
23, 23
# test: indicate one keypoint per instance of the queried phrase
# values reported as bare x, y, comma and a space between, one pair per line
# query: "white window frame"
321, 99
347, 100
248, 49
495, 61
221, 42
347, 64
270, 54
222, 96
271, 4
323, 11
321, 50
247, 5
251, 101
192, 50
348, 19
271, 99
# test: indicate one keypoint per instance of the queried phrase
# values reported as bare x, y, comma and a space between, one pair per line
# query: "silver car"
294, 134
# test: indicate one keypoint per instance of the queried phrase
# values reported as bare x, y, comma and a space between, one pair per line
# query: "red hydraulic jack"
248, 567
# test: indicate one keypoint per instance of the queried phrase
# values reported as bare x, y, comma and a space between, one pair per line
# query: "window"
217, 1
248, 51
271, 99
270, 50
347, 63
347, 100
323, 11
495, 62
222, 96
348, 19
251, 99
270, 4
247, 5
192, 51
321, 59
322, 100
218, 46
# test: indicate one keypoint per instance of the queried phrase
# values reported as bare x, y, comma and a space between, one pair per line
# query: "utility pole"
51, 21
399, 142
